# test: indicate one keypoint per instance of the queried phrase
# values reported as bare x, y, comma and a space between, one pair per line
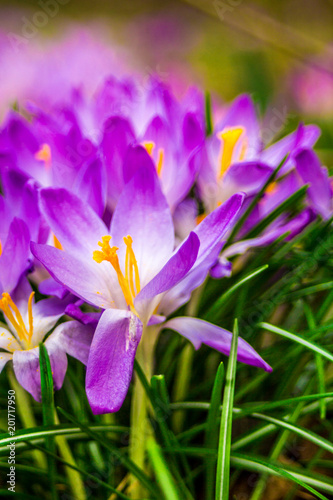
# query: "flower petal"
111, 358
143, 213
83, 280
27, 371
174, 271
75, 224
14, 258
74, 338
199, 331
320, 192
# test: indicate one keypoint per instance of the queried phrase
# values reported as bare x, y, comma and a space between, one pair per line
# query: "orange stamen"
44, 154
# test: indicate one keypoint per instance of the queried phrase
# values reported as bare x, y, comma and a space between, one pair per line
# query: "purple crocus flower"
234, 159
53, 152
134, 274
27, 324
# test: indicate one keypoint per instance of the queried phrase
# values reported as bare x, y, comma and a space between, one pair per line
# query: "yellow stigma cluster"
13, 315
130, 283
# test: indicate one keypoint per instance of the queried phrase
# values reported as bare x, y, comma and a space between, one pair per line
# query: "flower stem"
140, 424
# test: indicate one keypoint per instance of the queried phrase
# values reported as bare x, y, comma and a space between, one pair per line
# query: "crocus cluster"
123, 203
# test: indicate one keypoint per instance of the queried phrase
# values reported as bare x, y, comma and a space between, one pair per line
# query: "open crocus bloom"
27, 324
134, 274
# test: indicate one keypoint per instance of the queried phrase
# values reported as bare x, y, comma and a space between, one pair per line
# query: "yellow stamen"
229, 138
8, 307
271, 188
149, 147
160, 161
31, 321
44, 154
0, 248
200, 218
130, 283
132, 262
57, 243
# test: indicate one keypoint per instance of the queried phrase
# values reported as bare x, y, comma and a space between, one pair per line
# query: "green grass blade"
300, 431
211, 438
258, 465
40, 433
161, 405
208, 114
140, 474
220, 301
164, 478
48, 412
305, 343
284, 207
223, 457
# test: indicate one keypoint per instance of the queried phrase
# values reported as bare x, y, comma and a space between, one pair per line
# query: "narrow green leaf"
305, 343
280, 209
208, 114
164, 478
48, 412
162, 411
263, 466
220, 301
309, 290
223, 457
140, 474
211, 438
40, 433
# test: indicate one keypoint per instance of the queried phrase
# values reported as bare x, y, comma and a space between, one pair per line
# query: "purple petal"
83, 280
304, 137
199, 331
111, 358
242, 113
51, 287
212, 229
74, 338
14, 259
174, 270
75, 224
320, 192
143, 213
27, 371
74, 311
90, 185
117, 136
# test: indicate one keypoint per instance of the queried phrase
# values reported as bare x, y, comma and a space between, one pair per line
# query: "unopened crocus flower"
134, 274
26, 325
